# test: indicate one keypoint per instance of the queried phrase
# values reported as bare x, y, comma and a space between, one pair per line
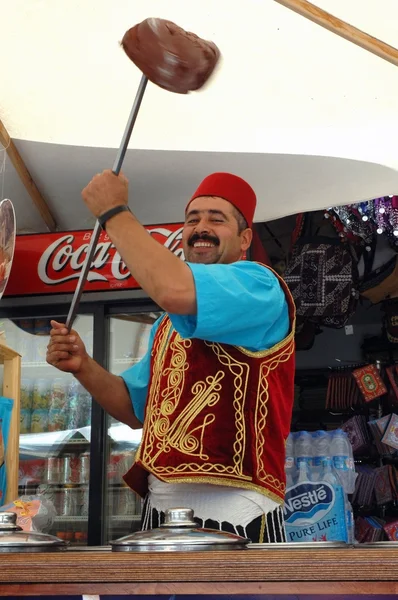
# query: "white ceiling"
307, 117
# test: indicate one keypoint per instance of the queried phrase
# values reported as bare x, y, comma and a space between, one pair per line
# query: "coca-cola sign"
51, 262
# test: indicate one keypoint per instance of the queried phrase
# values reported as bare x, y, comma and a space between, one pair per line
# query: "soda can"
26, 393
125, 501
39, 421
74, 406
70, 469
34, 469
112, 469
57, 419
69, 501
41, 394
58, 395
85, 467
119, 463
25, 419
126, 463
53, 469
84, 501
86, 403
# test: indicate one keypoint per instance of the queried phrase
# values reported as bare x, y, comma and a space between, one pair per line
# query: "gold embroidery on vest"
178, 434
264, 353
164, 435
176, 375
241, 373
159, 351
262, 413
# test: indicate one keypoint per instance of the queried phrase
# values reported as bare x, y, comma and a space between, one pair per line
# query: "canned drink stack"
51, 492
85, 467
84, 499
69, 501
124, 501
70, 469
53, 470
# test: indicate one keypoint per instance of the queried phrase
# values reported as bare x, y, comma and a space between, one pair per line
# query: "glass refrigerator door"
54, 459
128, 343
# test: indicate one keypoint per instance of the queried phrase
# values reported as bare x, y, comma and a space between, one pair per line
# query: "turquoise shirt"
241, 304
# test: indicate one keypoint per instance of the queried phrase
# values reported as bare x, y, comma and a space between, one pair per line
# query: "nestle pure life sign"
315, 512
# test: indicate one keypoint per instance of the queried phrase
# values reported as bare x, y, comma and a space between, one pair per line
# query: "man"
215, 391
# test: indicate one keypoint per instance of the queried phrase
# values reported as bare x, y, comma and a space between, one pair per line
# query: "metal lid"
14, 539
179, 532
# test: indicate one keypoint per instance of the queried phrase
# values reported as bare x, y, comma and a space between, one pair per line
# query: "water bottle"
289, 461
341, 452
329, 475
321, 449
349, 521
303, 454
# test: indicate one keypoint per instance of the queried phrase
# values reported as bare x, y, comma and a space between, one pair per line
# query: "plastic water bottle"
289, 461
341, 452
321, 450
303, 455
329, 475
349, 521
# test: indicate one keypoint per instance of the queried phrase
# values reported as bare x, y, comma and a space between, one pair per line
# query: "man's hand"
65, 350
105, 191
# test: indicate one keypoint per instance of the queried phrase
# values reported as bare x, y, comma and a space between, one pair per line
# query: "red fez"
232, 188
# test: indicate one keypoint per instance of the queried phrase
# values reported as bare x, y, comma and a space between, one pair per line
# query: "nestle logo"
304, 500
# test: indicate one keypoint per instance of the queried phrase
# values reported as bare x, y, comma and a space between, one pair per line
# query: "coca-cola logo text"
52, 262
61, 257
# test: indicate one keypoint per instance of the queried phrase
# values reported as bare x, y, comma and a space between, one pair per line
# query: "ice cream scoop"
172, 58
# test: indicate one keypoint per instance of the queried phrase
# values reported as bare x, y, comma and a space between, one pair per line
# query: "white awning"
285, 87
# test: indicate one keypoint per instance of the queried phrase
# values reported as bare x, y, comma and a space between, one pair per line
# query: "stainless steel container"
179, 533
53, 470
14, 539
70, 469
69, 501
85, 467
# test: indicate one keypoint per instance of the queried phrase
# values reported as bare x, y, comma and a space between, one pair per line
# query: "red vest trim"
208, 416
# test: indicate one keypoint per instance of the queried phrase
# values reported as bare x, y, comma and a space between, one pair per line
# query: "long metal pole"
97, 228
345, 30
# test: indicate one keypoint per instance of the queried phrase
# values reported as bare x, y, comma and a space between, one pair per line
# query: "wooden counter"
263, 571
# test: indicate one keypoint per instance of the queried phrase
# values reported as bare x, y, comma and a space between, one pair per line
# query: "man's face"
211, 232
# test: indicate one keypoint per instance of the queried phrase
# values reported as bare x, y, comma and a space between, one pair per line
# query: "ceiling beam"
349, 32
26, 178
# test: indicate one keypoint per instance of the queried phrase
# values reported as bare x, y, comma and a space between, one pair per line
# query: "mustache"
195, 237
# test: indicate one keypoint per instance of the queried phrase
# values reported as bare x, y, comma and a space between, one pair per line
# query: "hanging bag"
322, 275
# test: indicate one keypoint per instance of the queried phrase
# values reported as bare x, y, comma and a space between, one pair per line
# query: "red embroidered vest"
217, 413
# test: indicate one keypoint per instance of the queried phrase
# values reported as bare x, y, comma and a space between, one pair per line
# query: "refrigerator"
72, 454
